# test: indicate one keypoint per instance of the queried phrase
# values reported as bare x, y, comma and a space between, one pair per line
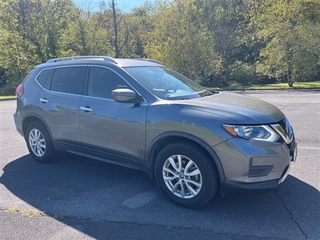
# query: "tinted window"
68, 80
103, 81
43, 77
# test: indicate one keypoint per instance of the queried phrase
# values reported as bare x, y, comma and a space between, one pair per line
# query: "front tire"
186, 175
39, 143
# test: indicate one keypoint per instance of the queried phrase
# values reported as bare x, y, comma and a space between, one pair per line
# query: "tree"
31, 33
180, 39
213, 41
17, 54
292, 32
87, 34
139, 23
249, 36
223, 19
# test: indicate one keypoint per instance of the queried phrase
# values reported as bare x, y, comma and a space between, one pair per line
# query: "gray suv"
140, 114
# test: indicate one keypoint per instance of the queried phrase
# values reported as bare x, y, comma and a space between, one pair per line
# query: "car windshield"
167, 84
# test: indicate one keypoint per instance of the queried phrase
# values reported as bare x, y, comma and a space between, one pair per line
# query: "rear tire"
39, 142
186, 175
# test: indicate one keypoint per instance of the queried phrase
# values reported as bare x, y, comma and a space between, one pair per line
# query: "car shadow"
95, 192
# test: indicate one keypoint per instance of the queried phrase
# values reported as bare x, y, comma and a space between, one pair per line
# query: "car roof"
121, 62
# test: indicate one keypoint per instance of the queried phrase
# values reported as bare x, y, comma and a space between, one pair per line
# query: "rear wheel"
186, 175
39, 142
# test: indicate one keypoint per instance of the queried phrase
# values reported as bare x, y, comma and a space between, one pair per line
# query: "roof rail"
107, 59
150, 60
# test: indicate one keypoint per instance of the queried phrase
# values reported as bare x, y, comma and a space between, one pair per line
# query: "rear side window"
68, 80
43, 78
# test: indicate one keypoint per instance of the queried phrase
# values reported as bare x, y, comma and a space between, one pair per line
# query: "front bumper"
293, 154
255, 165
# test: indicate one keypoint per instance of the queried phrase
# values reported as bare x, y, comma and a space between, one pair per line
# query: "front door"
107, 127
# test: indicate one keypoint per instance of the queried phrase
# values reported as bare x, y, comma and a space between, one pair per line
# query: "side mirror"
125, 95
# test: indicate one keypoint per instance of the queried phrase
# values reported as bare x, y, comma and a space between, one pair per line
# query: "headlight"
262, 132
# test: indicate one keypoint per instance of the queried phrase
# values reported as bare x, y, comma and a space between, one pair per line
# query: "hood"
240, 108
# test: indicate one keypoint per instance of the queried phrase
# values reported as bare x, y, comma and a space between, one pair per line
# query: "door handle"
44, 100
86, 109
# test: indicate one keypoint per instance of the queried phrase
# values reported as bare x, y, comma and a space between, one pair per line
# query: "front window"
166, 83
103, 81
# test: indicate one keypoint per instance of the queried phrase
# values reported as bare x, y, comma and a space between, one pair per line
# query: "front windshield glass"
166, 83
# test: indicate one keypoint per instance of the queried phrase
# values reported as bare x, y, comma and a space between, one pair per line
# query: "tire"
39, 142
186, 175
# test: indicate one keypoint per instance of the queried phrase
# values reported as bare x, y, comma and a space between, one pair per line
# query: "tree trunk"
115, 28
289, 77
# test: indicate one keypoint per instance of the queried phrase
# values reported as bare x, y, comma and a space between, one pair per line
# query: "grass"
276, 86
26, 212
31, 213
7, 97
11, 210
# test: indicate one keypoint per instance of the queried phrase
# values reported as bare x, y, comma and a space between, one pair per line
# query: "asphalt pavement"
79, 198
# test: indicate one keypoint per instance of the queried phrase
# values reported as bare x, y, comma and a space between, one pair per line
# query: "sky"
124, 5
127, 5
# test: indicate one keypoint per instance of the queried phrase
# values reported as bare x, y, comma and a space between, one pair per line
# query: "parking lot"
79, 198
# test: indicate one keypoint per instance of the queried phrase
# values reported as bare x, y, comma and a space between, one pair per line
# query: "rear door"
114, 130
58, 102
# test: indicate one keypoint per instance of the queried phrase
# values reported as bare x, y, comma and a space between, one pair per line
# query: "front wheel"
39, 142
186, 175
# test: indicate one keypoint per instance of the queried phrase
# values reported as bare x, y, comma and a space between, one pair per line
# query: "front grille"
284, 125
284, 129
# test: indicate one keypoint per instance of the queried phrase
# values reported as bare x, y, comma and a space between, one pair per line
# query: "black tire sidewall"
206, 167
48, 155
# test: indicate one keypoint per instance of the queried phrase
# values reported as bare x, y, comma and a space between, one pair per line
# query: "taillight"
19, 90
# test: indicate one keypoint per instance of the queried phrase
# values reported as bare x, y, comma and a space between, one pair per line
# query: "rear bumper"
18, 123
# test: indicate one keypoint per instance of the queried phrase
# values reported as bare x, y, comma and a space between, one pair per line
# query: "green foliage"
139, 24
180, 41
243, 73
30, 33
224, 18
216, 42
315, 85
292, 35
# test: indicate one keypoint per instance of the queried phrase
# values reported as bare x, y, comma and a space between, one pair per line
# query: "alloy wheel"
37, 142
182, 176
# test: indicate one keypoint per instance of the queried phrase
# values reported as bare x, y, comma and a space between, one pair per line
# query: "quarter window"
68, 80
43, 77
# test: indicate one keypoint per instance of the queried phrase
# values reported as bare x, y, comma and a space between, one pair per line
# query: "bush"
242, 73
8, 91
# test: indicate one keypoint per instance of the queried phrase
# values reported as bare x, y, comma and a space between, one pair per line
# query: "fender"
180, 135
39, 118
